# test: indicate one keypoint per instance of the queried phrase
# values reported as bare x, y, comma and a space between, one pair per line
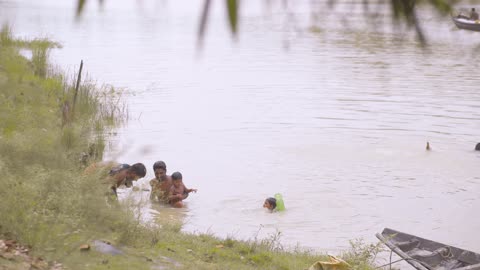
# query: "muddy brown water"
335, 119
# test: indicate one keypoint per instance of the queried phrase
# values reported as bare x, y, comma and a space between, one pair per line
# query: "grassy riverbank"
48, 133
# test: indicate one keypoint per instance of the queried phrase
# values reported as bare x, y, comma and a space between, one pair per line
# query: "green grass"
44, 194
50, 205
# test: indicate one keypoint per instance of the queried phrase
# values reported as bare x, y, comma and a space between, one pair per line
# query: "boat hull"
467, 24
424, 254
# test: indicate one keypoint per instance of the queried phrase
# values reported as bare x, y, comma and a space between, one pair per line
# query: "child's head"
270, 203
135, 172
177, 179
160, 169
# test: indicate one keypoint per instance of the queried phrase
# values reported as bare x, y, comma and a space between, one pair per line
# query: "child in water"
118, 174
178, 191
274, 204
270, 203
162, 182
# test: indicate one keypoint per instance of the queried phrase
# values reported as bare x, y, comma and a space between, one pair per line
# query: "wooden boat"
424, 254
463, 22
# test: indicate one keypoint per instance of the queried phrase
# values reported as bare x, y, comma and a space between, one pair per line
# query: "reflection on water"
336, 120
153, 212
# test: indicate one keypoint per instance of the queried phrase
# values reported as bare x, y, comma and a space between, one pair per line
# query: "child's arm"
188, 190
155, 191
173, 195
153, 183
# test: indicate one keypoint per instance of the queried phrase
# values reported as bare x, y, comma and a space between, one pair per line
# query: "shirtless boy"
178, 191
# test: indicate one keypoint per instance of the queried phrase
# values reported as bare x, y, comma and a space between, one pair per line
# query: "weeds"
45, 196
362, 255
6, 38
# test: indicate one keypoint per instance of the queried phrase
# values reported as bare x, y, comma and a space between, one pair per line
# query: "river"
334, 117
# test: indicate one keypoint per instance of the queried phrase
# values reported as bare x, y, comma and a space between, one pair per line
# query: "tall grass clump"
6, 38
361, 255
47, 201
40, 52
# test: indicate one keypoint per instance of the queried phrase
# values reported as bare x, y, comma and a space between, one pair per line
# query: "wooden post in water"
77, 86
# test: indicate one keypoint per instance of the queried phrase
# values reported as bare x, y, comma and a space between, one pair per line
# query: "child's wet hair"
159, 165
272, 202
177, 176
139, 169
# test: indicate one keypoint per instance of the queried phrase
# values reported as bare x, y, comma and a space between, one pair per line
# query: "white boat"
464, 22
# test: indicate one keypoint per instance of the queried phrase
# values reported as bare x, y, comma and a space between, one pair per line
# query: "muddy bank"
15, 256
